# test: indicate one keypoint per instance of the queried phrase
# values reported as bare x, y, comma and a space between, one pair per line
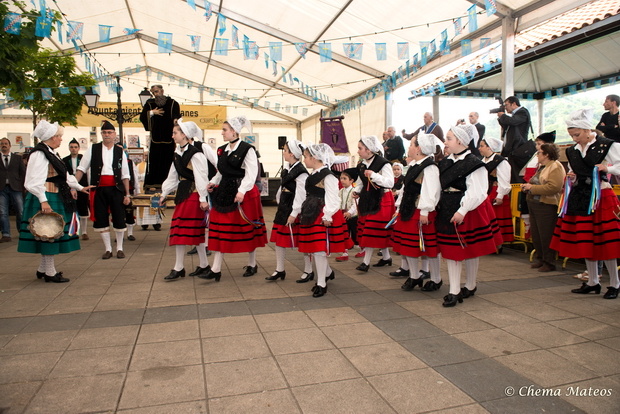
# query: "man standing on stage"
109, 174
429, 127
158, 116
393, 146
72, 162
514, 133
609, 121
12, 174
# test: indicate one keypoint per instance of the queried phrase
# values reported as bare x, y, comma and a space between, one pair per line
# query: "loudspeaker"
281, 142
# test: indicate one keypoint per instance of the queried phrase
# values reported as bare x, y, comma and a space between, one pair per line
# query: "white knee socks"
202, 255
412, 265
368, 251
130, 229
252, 259
592, 267
454, 275
83, 224
321, 263
119, 239
217, 262
280, 253
386, 253
307, 263
180, 256
471, 271
612, 268
424, 264
48, 263
105, 236
435, 268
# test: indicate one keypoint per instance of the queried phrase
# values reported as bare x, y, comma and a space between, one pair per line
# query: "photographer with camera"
514, 134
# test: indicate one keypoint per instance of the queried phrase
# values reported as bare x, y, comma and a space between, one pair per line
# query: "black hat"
74, 141
351, 172
547, 137
107, 126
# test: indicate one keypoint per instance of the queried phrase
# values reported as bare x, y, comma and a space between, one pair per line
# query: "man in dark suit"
72, 162
514, 132
12, 175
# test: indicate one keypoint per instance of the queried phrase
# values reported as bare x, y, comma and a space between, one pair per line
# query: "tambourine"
47, 227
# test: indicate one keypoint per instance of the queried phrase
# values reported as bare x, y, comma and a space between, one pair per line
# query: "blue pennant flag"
266, 104
246, 47
423, 52
29, 96
195, 39
302, 48
266, 60
81, 90
325, 52
74, 31
283, 73
465, 47
490, 6
612, 81
598, 84
304, 111
130, 31
486, 63
442, 87
46, 94
444, 45
403, 50
104, 33
275, 50
559, 92
462, 78
164, 42
432, 48
208, 10
64, 90
485, 42
221, 24
548, 95
381, 49
473, 19
253, 50
42, 6
353, 50
192, 4
44, 27
572, 89
59, 30
458, 26
221, 46
235, 37
234, 97
13, 23
274, 65
415, 63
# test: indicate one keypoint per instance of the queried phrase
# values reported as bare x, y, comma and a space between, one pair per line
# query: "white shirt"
430, 191
250, 165
300, 192
503, 176
346, 198
477, 187
200, 169
36, 175
384, 178
108, 155
210, 154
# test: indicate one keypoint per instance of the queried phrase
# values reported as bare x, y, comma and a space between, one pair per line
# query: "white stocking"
180, 256
217, 262
471, 271
280, 253
252, 259
412, 265
592, 266
105, 236
404, 264
386, 254
368, 251
424, 264
454, 274
307, 263
50, 270
612, 268
435, 269
202, 255
119, 239
83, 224
320, 261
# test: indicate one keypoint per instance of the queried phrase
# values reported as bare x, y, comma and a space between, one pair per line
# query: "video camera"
501, 108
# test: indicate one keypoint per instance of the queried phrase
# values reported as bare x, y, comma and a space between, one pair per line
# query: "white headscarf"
322, 152
45, 130
237, 123
428, 143
581, 118
373, 144
190, 129
465, 133
296, 148
495, 144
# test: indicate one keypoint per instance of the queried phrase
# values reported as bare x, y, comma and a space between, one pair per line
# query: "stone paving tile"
171, 314
56, 323
31, 343
234, 348
592, 356
544, 335
104, 337
283, 321
362, 298
543, 312
165, 354
169, 331
72, 304
94, 361
355, 335
335, 316
587, 328
520, 405
297, 341
613, 343
495, 342
501, 317
383, 311
276, 402
27, 367
457, 323
464, 409
409, 328
15, 397
243, 377
110, 318
418, 391
382, 359
348, 396
222, 310
326, 366
232, 325
278, 305
546, 368
441, 350
592, 306
194, 407
77, 394
582, 395
165, 385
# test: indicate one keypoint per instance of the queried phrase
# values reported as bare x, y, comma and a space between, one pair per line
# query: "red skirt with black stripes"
503, 214
188, 223
230, 233
315, 237
284, 236
406, 236
593, 237
477, 236
371, 231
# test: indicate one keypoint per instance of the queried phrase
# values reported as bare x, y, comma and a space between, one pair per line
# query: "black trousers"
542, 223
109, 200
130, 214
352, 225
83, 204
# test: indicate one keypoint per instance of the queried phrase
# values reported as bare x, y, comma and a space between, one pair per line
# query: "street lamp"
144, 96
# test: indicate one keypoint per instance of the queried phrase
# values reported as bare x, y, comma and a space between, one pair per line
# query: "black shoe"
193, 251
383, 262
363, 267
400, 273
208, 253
211, 275
131, 238
157, 227
319, 291
500, 249
201, 270
410, 284
145, 226
431, 286
612, 293
587, 289
276, 275
250, 271
331, 276
380, 254
467, 293
57, 278
425, 275
40, 275
175, 274
309, 277
450, 300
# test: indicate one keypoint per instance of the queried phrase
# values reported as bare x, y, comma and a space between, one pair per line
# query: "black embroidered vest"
230, 166
315, 196
187, 184
60, 180
370, 197
96, 165
289, 187
491, 167
413, 188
